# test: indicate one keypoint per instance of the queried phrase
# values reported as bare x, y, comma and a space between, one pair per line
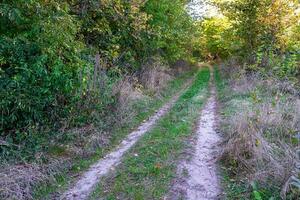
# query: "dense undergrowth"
149, 167
77, 76
260, 124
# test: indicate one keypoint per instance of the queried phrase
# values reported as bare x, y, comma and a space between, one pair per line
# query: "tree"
171, 27
215, 38
265, 29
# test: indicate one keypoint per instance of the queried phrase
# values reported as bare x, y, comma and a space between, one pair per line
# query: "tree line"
262, 34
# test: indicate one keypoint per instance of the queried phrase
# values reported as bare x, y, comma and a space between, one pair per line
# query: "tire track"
197, 176
86, 183
203, 182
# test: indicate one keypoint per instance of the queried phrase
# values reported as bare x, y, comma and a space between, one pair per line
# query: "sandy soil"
197, 176
203, 181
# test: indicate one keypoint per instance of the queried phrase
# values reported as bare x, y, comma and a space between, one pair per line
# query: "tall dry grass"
17, 181
154, 75
261, 134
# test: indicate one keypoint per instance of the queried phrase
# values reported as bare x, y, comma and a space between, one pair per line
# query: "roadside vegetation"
72, 151
260, 123
60, 60
258, 85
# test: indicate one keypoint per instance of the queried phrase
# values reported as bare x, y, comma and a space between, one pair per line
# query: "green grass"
144, 109
148, 168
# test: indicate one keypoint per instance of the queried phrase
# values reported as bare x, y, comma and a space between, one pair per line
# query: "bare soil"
198, 177
203, 181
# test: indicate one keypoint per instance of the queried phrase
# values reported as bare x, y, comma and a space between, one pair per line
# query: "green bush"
39, 59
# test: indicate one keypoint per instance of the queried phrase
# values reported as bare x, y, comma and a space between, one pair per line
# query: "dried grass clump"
127, 91
86, 140
17, 181
154, 75
240, 80
245, 83
252, 154
260, 144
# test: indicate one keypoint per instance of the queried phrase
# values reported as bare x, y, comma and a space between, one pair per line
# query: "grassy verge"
249, 173
148, 168
143, 108
233, 188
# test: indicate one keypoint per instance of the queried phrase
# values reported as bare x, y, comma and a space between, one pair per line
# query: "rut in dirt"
85, 185
203, 182
197, 173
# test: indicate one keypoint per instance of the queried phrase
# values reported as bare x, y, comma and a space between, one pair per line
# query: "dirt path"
198, 176
85, 185
203, 182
